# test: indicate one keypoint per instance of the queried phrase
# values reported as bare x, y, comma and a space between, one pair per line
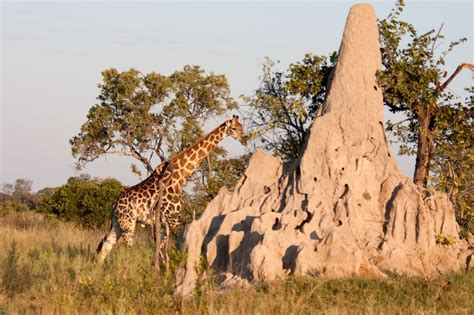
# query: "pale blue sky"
53, 54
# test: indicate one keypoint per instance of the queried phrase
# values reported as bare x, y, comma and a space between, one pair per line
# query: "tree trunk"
425, 151
426, 146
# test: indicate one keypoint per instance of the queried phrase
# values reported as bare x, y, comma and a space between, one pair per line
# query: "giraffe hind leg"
109, 240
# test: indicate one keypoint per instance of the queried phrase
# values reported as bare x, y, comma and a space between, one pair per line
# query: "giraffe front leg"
167, 238
163, 247
171, 223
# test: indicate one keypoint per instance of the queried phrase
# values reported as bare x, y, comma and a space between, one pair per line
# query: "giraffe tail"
99, 248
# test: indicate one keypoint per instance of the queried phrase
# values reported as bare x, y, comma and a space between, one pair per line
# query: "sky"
53, 53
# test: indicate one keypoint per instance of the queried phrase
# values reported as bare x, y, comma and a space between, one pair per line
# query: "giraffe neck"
186, 162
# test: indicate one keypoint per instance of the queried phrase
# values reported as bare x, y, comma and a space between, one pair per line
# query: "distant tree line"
19, 197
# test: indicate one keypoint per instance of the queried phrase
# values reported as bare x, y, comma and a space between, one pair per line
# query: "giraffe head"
234, 129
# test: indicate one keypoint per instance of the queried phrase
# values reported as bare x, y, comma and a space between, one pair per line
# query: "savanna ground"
48, 267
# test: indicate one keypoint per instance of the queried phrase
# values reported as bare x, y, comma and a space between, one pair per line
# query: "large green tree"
412, 82
437, 127
144, 116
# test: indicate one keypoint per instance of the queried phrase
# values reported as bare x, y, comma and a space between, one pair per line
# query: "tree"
411, 80
285, 104
18, 196
144, 116
453, 161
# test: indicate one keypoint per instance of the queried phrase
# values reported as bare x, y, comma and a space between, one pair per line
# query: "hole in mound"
222, 257
309, 216
289, 259
346, 190
277, 225
266, 189
314, 236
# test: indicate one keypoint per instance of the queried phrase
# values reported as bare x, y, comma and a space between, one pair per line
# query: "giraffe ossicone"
137, 204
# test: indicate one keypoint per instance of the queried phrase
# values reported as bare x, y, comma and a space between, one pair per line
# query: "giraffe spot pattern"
136, 203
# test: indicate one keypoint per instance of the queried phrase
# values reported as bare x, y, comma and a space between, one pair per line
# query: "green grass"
49, 267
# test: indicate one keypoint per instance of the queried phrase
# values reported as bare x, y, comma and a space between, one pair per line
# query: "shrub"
15, 278
442, 239
83, 201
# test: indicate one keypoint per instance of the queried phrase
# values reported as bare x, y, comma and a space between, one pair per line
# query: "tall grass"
49, 267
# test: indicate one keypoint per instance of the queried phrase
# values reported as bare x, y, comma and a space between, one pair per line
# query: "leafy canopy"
145, 116
149, 116
411, 76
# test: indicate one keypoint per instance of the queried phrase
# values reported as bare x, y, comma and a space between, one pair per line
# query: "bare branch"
441, 88
141, 158
436, 38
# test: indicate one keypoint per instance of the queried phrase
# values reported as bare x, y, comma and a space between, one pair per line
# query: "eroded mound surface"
343, 208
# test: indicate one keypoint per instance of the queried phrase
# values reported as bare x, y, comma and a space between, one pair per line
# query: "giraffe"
136, 204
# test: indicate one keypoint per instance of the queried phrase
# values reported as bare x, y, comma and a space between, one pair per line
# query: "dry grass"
29, 230
49, 267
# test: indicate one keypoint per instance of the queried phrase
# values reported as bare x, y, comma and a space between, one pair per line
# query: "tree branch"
157, 149
142, 159
441, 88
436, 38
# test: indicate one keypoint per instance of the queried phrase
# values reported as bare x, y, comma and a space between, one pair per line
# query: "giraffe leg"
171, 208
127, 234
167, 240
164, 247
109, 240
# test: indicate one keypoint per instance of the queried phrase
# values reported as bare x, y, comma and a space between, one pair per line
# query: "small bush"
442, 239
15, 278
83, 201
